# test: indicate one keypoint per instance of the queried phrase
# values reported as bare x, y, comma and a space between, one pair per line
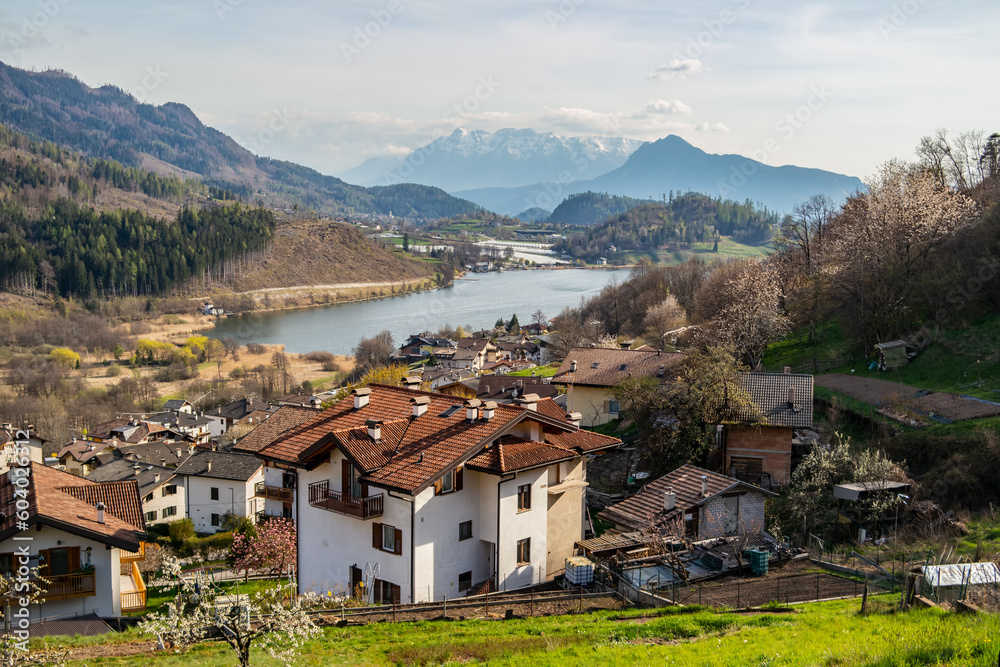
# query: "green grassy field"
546, 371
827, 634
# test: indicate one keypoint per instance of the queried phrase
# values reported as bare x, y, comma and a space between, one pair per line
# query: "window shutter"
364, 490
437, 488
397, 540
607, 407
43, 568
377, 535
345, 477
458, 477
74, 559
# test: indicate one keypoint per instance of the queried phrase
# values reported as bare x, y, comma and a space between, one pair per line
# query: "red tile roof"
512, 454
282, 420
67, 502
413, 452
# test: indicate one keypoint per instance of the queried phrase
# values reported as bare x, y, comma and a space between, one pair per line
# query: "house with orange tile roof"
420, 495
81, 535
589, 375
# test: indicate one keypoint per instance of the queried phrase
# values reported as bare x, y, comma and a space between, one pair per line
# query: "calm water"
477, 301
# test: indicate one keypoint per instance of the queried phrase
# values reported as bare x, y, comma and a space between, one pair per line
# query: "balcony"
133, 589
66, 586
263, 516
262, 490
322, 497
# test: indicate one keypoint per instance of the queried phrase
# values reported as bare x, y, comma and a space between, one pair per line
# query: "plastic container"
579, 571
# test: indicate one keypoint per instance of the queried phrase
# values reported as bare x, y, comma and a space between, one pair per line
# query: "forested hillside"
588, 208
683, 220
109, 123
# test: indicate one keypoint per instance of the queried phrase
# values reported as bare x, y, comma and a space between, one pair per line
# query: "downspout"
413, 545
496, 557
298, 525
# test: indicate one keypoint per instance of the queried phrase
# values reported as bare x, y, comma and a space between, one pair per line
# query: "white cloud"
668, 107
678, 67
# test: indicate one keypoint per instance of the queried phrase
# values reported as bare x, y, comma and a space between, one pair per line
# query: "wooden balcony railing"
322, 497
262, 490
129, 557
135, 600
66, 586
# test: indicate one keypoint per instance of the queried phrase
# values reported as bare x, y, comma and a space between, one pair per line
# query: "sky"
843, 86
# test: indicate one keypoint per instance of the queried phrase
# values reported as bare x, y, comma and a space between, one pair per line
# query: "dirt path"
882, 392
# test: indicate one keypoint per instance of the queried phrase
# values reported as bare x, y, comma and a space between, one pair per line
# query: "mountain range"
109, 123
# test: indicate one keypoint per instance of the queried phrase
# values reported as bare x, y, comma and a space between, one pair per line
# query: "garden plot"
882, 392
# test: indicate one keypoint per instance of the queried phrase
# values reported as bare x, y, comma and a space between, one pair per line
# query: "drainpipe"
496, 557
413, 545
298, 527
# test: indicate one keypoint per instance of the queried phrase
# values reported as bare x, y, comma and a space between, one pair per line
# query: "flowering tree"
18, 588
201, 610
270, 549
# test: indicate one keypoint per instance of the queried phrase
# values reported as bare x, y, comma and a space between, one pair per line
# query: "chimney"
704, 485
472, 409
788, 370
208, 466
574, 418
669, 499
100, 512
374, 429
625, 345
411, 382
660, 371
572, 366
420, 404
791, 397
361, 397
488, 408
529, 401
178, 452
156, 478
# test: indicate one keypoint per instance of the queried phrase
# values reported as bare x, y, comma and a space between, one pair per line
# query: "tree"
538, 317
269, 549
662, 319
202, 610
65, 357
374, 351
118, 351
406, 242
882, 243
514, 326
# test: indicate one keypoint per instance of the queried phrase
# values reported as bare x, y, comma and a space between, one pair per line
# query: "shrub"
181, 531
319, 356
256, 348
114, 370
172, 319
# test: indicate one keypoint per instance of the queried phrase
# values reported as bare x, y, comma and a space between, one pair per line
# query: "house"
166, 454
81, 536
461, 388
756, 441
244, 410
504, 389
17, 445
301, 400
487, 350
693, 502
277, 489
218, 483
188, 425
131, 431
420, 346
463, 359
161, 490
437, 495
589, 375
178, 405
80, 457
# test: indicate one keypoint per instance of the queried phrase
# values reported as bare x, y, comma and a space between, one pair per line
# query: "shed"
861, 490
892, 354
954, 582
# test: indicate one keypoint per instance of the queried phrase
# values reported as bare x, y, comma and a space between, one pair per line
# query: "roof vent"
574, 418
669, 499
420, 404
374, 429
529, 401
472, 409
411, 382
100, 512
208, 467
361, 397
572, 366
489, 407
704, 485
791, 397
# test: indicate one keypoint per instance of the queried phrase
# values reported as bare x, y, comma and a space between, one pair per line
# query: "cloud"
667, 107
712, 127
678, 67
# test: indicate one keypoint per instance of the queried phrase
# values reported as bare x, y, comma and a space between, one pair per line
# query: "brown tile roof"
511, 454
81, 450
103, 430
769, 393
646, 507
550, 408
67, 502
477, 344
603, 367
411, 453
284, 418
585, 441
503, 387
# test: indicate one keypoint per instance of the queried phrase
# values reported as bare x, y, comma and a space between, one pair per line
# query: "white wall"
275, 477
216, 426
200, 505
107, 563
159, 501
516, 525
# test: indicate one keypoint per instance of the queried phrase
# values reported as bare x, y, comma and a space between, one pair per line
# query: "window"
613, 407
524, 551
169, 511
216, 520
385, 592
6, 563
387, 538
151, 515
215, 493
524, 498
465, 581
148, 498
595, 364
452, 481
465, 530
53, 562
623, 367
350, 480
171, 489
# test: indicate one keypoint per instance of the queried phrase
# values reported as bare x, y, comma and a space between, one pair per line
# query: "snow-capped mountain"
506, 158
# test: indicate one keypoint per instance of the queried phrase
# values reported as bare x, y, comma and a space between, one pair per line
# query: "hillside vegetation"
109, 123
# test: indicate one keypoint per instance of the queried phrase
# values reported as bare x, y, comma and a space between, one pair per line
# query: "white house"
17, 445
163, 493
79, 534
220, 482
438, 495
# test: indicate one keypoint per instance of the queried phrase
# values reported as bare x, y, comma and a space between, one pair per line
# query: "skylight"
595, 364
450, 411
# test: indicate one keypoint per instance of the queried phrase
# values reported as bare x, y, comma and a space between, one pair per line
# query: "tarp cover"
963, 573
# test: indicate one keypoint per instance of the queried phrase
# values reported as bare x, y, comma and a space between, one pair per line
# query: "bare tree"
374, 351
663, 318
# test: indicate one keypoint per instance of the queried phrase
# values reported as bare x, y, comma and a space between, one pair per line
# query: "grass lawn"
827, 634
538, 371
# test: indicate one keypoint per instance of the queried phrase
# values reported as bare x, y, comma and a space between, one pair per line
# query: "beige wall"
565, 513
591, 403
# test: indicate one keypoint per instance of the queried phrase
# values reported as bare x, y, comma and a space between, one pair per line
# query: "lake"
477, 301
